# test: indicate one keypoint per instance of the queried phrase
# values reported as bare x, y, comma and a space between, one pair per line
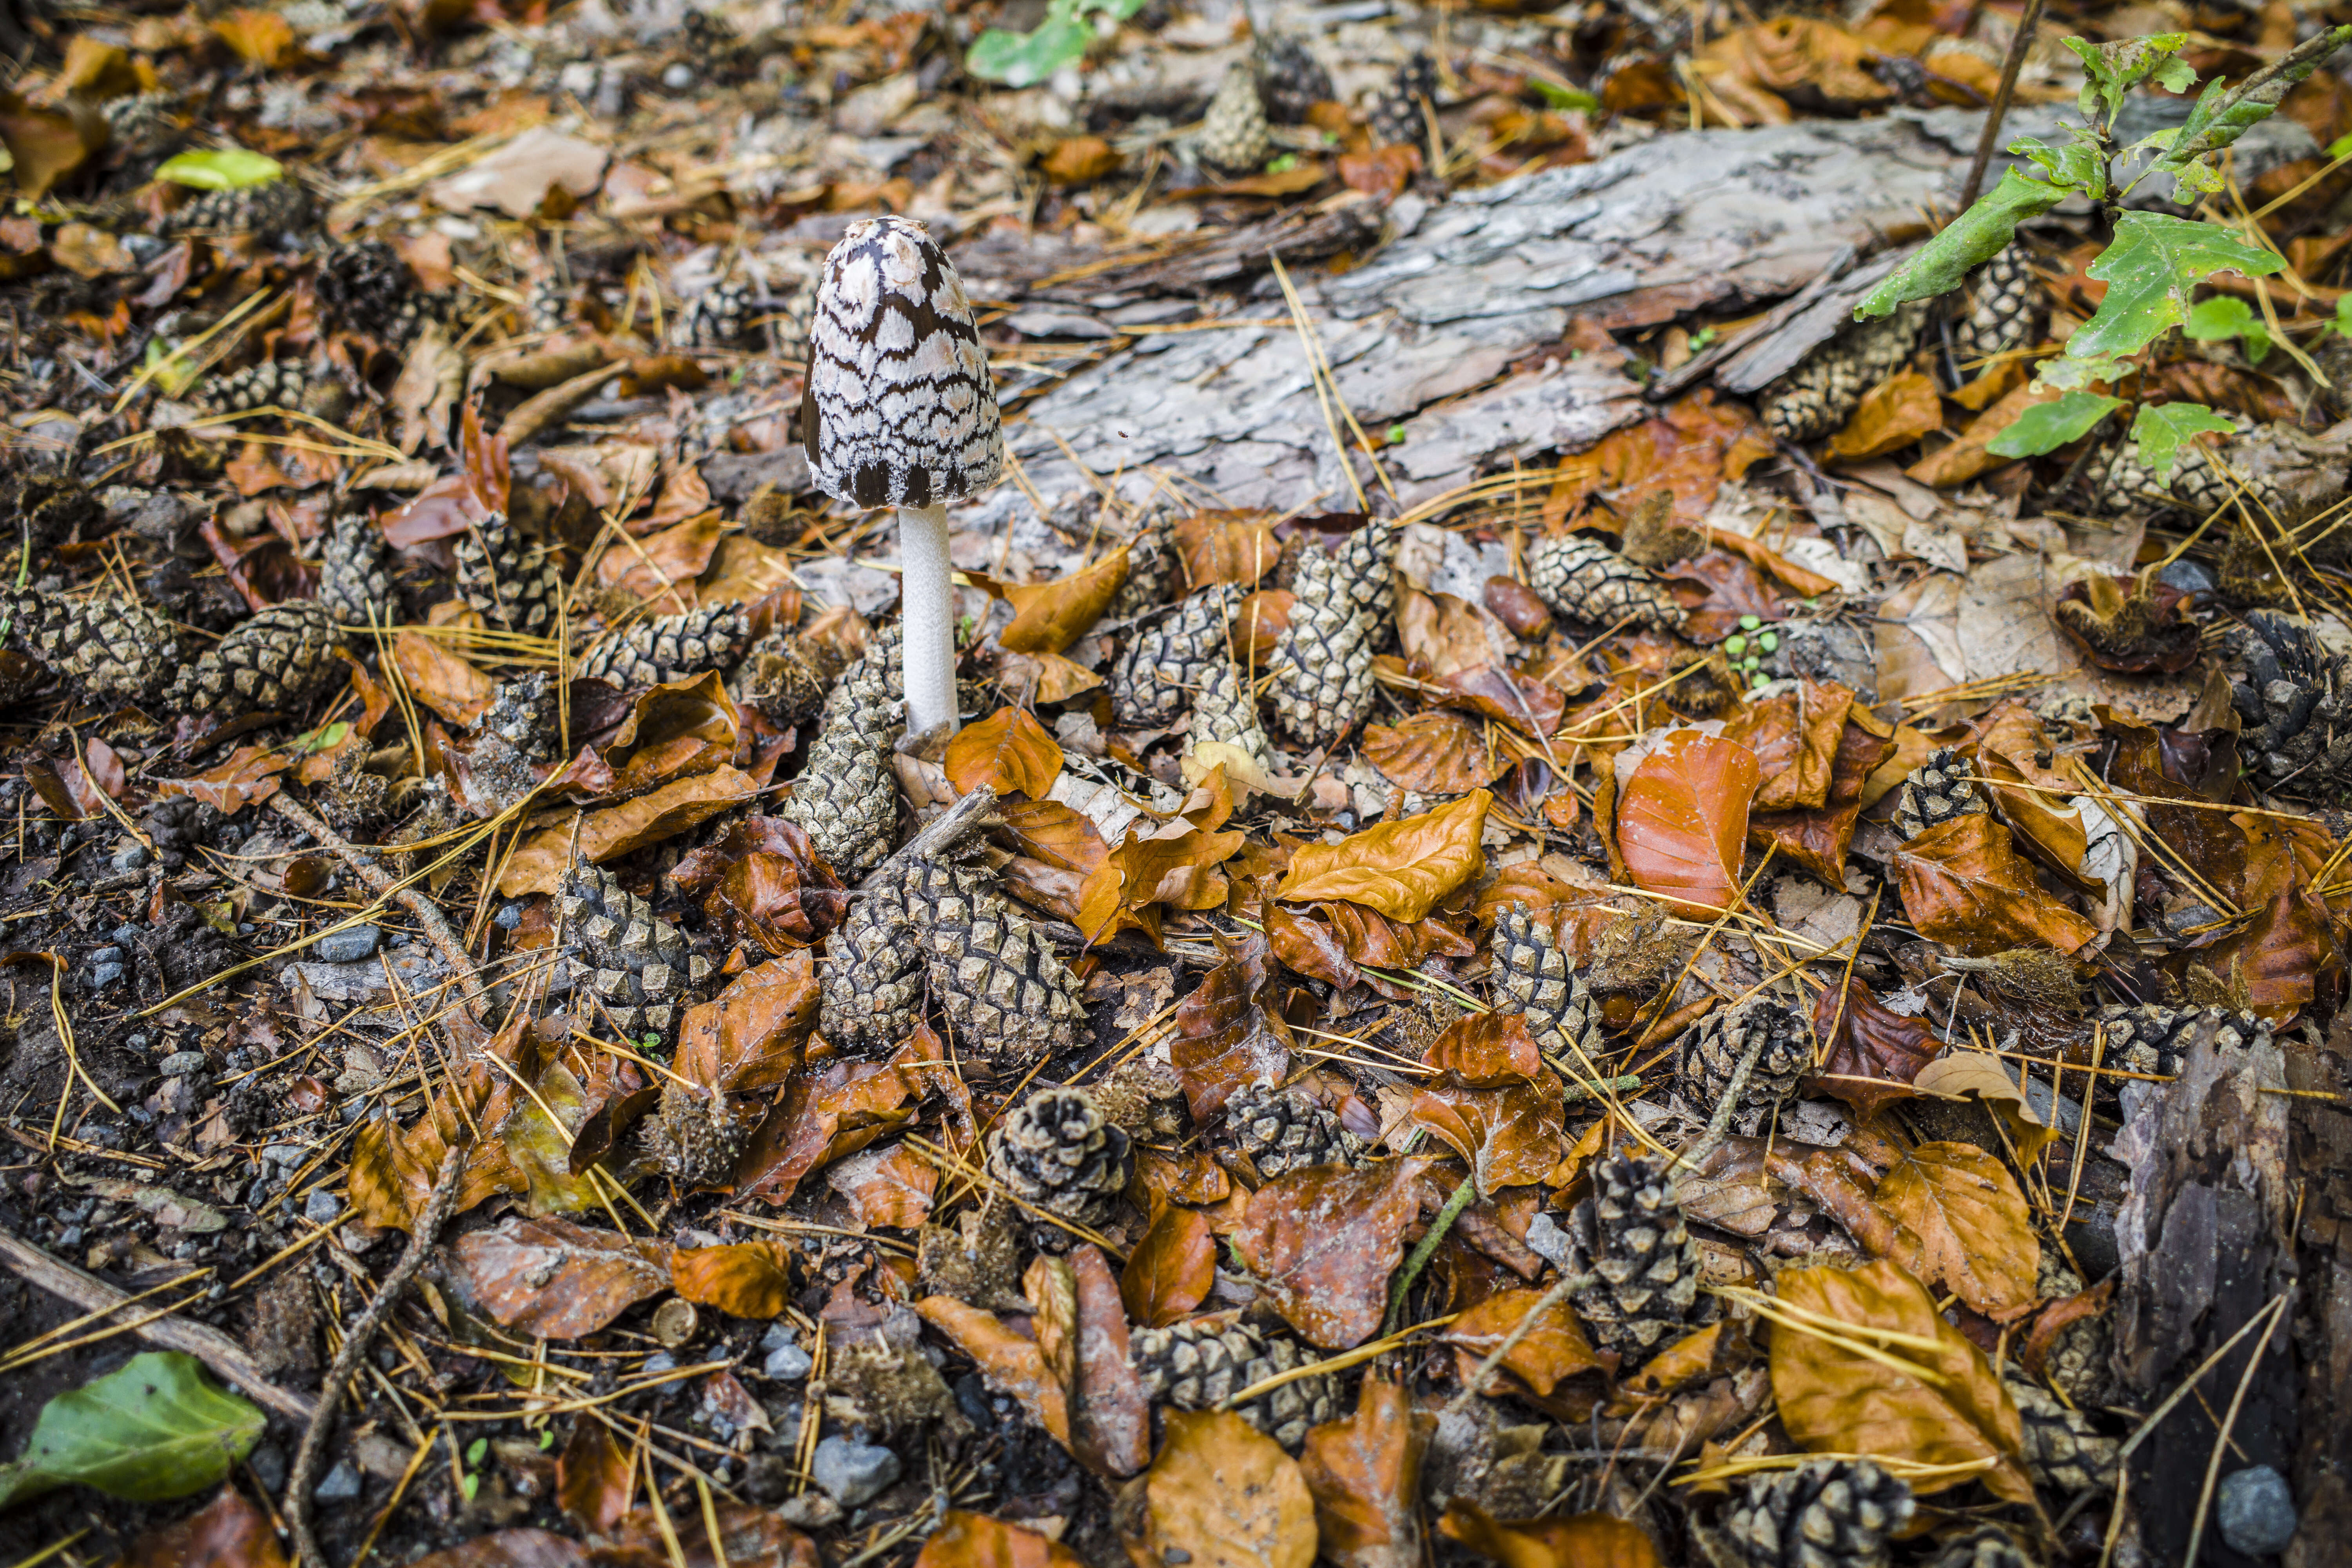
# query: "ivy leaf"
2222, 317
220, 169
2149, 268
2161, 427
2219, 120
154, 1430
1967, 241
2046, 426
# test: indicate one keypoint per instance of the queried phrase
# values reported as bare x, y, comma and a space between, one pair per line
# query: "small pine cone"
513, 584
1825, 1513
1005, 993
364, 282
1166, 660
115, 650
1223, 710
2065, 1452
639, 967
2294, 701
269, 383
692, 1136
1583, 580
527, 713
1153, 564
547, 306
1986, 1546
1712, 1052
846, 797
412, 316
1055, 1152
870, 996
1233, 132
2077, 1360
278, 209
718, 317
54, 507
1532, 977
1630, 1232
663, 649
1935, 792
144, 125
1291, 81
2200, 484
1199, 1364
1820, 394
2152, 1039
2004, 305
785, 678
1393, 115
1322, 665
355, 582
271, 662
1282, 1133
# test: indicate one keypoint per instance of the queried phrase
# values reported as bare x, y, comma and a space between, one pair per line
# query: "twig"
1427, 1248
437, 929
1564, 1286
2000, 110
355, 1343
210, 1346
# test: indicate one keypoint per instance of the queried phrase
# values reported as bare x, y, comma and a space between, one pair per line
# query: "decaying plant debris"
1570, 920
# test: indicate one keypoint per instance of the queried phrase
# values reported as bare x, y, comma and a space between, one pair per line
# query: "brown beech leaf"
1110, 1418
1718, 590
1050, 1285
1049, 616
1439, 753
1230, 1031
743, 1280
1835, 1399
1324, 1241
1008, 750
1400, 868
1580, 1540
975, 1541
1964, 884
2008, 752
228, 1532
1061, 864
1975, 1231
673, 732
2284, 954
1171, 1269
676, 807
1222, 1494
1488, 1050
761, 879
1896, 413
248, 778
1816, 841
1552, 1351
822, 1118
1508, 1136
557, 1279
1681, 821
1009, 1363
890, 1187
1872, 1054
661, 569
1365, 1475
515, 1549
594, 1478
750, 1038
1226, 547
749, 1537
1795, 738
1974, 1072
440, 679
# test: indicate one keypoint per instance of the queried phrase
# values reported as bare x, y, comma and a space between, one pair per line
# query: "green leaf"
1969, 241
2046, 426
2176, 76
220, 169
2161, 428
2216, 123
176, 375
2222, 317
154, 1430
2340, 148
2064, 375
1025, 59
2344, 315
1561, 95
2079, 165
2149, 268
2112, 69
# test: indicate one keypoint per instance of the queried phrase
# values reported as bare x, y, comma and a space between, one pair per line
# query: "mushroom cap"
899, 409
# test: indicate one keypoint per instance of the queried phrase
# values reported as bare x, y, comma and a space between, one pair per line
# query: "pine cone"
2152, 1039
1393, 115
513, 582
663, 649
2004, 305
267, 384
1153, 566
1232, 131
1291, 81
1583, 580
1198, 1365
1937, 791
1630, 1232
1986, 1546
144, 125
2295, 701
1825, 1513
1283, 1132
2119, 480
1223, 710
639, 967
785, 678
277, 211
1532, 978
514, 744
718, 317
1322, 665
1055, 1152
1166, 660
547, 305
1820, 394
272, 662
115, 650
1712, 1051
692, 1136
363, 282
355, 582
871, 992
846, 797
2077, 1362
1005, 991
2065, 1452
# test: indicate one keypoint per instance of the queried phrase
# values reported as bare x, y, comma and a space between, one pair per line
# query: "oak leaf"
1974, 1230
1221, 1494
1681, 821
1008, 751
1965, 885
1365, 1475
1400, 868
1324, 1241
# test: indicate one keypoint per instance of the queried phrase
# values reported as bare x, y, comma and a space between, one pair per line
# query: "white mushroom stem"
927, 617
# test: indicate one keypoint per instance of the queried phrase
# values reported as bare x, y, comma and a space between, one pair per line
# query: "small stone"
341, 1485
129, 859
125, 934
269, 1462
780, 1332
659, 1363
2254, 1510
851, 1473
105, 954
348, 946
182, 1064
104, 975
678, 78
320, 1208
787, 1363
285, 1155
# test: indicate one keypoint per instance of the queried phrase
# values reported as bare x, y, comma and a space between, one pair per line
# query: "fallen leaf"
1171, 1269
743, 1280
749, 1537
761, 879
1508, 1136
45, 145
1226, 547
1965, 1072
1049, 616
227, 1532
1008, 751
1381, 172
1221, 1494
1438, 753
1870, 1054
248, 778
891, 1188
594, 1478
1365, 1475
822, 1119
511, 1549
516, 178
1009, 1363
1580, 1540
1681, 821
1323, 1242
601, 836
556, 1279
1400, 868
1553, 1349
1110, 1417
1835, 1398
2284, 955
1964, 883
440, 679
1966, 457
1080, 160
1690, 448
263, 39
661, 568
1975, 1231
1896, 413
975, 1541
1062, 865
1794, 736
1229, 1031
1817, 841
1488, 1050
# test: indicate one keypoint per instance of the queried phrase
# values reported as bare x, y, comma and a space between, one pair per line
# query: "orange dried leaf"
1009, 752
440, 679
1009, 1363
1580, 1540
1365, 1475
557, 1279
744, 1279
1553, 1349
594, 1479
1681, 821
1223, 1495
975, 1541
248, 778
1439, 753
230, 1532
1400, 868
1894, 413
1324, 1241
1964, 884
750, 1038
1172, 1269
1049, 616
1226, 547
1975, 1231
1110, 1416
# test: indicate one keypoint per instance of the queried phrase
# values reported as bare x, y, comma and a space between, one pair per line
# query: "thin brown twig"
2017, 46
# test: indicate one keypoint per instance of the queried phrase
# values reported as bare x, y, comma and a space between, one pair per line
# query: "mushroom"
899, 411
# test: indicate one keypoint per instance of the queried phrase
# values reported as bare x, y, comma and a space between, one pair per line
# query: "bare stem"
926, 617
2000, 110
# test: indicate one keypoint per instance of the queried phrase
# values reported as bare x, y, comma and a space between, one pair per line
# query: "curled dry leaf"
1400, 868
661, 569
1553, 1349
743, 1280
1230, 1031
975, 1541
1009, 752
1365, 1475
1110, 1417
607, 834
821, 1118
1439, 753
1974, 1231
1871, 1055
1171, 1269
1226, 547
1964, 884
750, 1038
1488, 1050
1324, 1241
1681, 821
1893, 415
1816, 840
761, 879
889, 1187
1009, 1363
1835, 1398
440, 679
1061, 864
248, 778
1965, 1072
1580, 1540
554, 1278
1795, 738
1049, 616
1509, 1137
1223, 1495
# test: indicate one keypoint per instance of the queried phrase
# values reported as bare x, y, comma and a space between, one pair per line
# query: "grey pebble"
341, 1485
787, 1363
2255, 1511
850, 1472
678, 78
105, 974
320, 1208
348, 946
182, 1064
